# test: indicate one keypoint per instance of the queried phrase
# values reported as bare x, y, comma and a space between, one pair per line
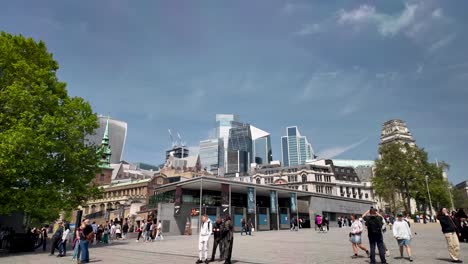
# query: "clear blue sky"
337, 69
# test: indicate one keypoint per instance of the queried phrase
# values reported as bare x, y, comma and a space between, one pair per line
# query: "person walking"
44, 237
118, 231
95, 229
125, 229
326, 224
228, 239
159, 231
63, 242
451, 235
203, 240
374, 231
217, 231
140, 230
250, 226
402, 233
56, 238
244, 227
356, 236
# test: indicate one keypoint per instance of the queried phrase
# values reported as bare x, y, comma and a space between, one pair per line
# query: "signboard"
273, 204
293, 203
177, 200
225, 198
250, 200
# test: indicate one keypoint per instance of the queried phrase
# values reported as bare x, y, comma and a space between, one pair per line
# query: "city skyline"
338, 71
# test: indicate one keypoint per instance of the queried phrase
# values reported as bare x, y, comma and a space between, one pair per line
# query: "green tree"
45, 165
401, 174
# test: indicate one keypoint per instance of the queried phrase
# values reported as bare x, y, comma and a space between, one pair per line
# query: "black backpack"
374, 224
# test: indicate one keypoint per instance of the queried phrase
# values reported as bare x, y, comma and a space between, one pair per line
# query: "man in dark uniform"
217, 232
56, 238
228, 239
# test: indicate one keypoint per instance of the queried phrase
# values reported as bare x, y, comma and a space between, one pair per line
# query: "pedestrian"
159, 231
56, 238
100, 232
95, 229
76, 242
63, 242
250, 226
217, 232
146, 234
140, 230
326, 224
318, 222
356, 236
228, 239
112, 231
291, 224
203, 240
402, 233
86, 237
244, 227
44, 237
451, 235
125, 229
118, 231
339, 222
374, 231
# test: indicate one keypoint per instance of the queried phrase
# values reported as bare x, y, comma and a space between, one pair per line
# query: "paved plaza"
305, 246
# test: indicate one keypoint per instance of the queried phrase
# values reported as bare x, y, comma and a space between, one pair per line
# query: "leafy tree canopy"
401, 172
45, 165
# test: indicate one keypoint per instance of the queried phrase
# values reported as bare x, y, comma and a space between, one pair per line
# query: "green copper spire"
104, 150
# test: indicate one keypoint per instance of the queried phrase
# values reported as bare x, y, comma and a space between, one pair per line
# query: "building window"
101, 177
367, 195
305, 188
319, 189
258, 181
292, 178
318, 177
304, 177
342, 191
328, 190
327, 178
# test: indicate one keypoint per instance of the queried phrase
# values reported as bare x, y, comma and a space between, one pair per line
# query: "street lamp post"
429, 194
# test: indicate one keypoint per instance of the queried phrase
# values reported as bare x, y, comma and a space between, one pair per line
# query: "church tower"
105, 175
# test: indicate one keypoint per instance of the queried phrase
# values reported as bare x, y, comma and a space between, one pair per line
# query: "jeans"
84, 251
63, 248
77, 250
373, 240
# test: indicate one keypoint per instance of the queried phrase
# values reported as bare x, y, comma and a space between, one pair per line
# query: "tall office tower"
239, 153
395, 130
261, 146
295, 149
117, 136
178, 152
211, 150
224, 122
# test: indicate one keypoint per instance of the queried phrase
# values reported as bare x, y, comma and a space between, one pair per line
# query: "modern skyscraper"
261, 146
117, 134
295, 149
239, 153
211, 151
395, 130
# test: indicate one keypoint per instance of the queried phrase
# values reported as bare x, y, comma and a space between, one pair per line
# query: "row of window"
324, 189
351, 192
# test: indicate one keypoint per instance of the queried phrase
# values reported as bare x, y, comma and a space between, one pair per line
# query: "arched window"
258, 181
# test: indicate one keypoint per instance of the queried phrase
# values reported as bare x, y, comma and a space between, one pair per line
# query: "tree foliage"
45, 165
401, 173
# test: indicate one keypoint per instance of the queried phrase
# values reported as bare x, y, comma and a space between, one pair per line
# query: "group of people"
344, 221
375, 224
223, 233
461, 221
247, 227
151, 231
322, 223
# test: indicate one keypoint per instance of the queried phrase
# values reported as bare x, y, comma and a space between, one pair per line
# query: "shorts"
403, 242
356, 239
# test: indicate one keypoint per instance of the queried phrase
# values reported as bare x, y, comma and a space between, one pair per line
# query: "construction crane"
173, 143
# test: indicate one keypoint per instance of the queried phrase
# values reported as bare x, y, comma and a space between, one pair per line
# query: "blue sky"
337, 69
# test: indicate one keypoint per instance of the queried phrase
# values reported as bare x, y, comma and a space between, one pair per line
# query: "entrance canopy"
214, 184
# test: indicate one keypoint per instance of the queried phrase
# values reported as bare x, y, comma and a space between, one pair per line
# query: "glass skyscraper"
296, 150
239, 153
261, 146
211, 151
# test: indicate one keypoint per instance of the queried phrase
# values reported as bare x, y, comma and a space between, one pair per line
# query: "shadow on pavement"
444, 259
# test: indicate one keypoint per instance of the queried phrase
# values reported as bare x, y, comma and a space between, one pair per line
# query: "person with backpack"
374, 232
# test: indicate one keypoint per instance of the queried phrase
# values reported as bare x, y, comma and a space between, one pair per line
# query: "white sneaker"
137, 241
387, 253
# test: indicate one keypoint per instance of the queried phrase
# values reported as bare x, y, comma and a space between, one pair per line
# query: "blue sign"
273, 204
262, 219
293, 203
238, 220
284, 219
250, 200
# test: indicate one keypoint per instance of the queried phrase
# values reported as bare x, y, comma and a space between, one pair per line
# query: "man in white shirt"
203, 240
402, 233
159, 231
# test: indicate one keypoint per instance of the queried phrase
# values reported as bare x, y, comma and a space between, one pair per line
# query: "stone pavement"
273, 247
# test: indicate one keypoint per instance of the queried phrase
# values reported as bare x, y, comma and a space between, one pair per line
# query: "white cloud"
437, 13
308, 29
444, 41
335, 151
387, 25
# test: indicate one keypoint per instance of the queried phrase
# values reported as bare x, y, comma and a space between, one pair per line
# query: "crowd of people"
151, 231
